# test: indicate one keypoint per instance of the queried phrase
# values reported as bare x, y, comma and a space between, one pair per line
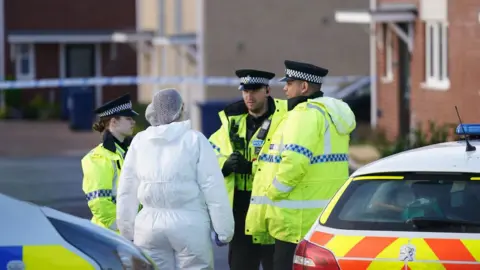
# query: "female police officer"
101, 166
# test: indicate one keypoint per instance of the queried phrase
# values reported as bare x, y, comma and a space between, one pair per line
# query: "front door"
80, 60
80, 63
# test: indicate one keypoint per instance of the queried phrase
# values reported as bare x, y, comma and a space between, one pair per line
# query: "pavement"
45, 138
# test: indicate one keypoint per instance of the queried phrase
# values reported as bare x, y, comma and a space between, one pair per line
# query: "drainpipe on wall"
200, 96
373, 69
138, 47
161, 31
2, 53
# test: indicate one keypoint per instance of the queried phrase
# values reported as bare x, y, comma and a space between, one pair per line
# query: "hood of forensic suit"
342, 116
168, 132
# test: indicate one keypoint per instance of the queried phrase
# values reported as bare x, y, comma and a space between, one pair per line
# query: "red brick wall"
464, 59
125, 64
433, 104
388, 92
63, 15
73, 15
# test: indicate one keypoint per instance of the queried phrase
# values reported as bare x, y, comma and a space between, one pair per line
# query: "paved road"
56, 182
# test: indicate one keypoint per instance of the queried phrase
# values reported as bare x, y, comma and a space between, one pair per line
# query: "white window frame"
436, 55
388, 56
30, 55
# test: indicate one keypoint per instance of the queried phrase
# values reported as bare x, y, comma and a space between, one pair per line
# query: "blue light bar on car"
470, 129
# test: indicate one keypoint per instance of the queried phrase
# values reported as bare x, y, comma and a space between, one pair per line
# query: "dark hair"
102, 124
314, 87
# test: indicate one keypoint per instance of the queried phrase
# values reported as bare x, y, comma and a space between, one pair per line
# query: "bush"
419, 137
40, 109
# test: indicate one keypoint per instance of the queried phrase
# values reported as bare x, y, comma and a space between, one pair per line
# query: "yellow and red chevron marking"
382, 252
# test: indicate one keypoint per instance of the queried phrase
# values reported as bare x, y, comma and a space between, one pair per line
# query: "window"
388, 41
436, 55
24, 62
439, 203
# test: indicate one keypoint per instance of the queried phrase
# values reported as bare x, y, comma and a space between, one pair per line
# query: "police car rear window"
440, 202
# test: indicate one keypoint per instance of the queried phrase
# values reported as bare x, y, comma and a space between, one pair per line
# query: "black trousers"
283, 256
243, 254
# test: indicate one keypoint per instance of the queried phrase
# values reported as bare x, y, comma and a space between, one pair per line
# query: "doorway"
80, 60
404, 83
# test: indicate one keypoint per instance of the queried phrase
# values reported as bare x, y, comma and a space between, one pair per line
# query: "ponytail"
99, 126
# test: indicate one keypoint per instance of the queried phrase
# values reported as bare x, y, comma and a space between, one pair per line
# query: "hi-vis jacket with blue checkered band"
307, 162
101, 170
222, 144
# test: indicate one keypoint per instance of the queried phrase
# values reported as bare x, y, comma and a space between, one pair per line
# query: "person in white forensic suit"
172, 171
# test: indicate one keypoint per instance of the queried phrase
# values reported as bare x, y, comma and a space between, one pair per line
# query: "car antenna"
470, 147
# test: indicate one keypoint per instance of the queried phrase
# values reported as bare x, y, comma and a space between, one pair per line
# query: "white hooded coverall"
173, 172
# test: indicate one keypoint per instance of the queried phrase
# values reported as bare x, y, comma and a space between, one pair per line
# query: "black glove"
242, 165
238, 164
229, 164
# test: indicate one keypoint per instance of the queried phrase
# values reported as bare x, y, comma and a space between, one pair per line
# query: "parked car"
412, 210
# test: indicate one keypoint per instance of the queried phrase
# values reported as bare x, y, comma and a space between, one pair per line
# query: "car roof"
442, 157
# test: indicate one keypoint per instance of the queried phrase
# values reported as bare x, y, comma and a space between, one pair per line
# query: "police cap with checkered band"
121, 106
303, 72
251, 79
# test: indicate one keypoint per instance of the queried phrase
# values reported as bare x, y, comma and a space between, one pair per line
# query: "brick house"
68, 39
426, 55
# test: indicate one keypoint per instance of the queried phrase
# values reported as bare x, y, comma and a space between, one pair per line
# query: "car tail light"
309, 256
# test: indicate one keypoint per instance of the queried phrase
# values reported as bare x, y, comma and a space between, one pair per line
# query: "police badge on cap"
251, 79
303, 72
121, 106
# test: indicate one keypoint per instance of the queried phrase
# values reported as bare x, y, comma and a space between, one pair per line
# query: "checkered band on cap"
303, 76
254, 80
119, 108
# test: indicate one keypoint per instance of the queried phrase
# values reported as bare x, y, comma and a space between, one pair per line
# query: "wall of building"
431, 103
149, 21
263, 33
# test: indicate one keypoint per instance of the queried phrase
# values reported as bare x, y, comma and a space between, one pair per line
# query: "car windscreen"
435, 203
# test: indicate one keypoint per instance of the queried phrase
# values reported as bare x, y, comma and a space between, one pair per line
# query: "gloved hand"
219, 242
238, 164
242, 165
229, 164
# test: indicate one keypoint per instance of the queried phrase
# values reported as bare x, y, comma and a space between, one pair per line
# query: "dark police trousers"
243, 254
283, 256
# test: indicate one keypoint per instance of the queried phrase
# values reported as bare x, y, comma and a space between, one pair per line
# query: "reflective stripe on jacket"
306, 164
220, 141
222, 144
101, 170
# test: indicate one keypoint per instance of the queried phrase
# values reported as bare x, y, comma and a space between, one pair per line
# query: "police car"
34, 237
418, 209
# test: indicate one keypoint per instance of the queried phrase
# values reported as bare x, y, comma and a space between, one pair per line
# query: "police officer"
102, 165
308, 159
245, 133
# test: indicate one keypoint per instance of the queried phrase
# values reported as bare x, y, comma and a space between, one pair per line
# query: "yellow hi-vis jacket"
222, 144
101, 170
306, 164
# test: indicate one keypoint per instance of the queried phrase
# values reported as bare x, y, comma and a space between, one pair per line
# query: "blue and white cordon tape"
135, 80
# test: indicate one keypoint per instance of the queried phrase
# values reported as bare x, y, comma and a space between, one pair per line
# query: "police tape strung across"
134, 80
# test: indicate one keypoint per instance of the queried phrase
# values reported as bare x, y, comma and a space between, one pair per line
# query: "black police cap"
303, 72
251, 79
121, 106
